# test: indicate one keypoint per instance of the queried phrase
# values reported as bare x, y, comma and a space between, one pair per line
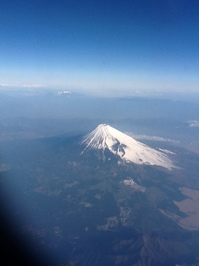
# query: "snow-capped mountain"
127, 148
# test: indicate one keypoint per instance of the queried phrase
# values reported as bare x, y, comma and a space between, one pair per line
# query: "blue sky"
100, 45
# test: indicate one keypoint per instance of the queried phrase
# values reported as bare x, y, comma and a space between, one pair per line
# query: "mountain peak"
128, 149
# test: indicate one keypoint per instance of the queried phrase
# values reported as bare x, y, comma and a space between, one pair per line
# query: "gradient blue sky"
110, 45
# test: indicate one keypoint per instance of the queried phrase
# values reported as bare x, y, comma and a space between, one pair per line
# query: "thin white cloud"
193, 123
22, 85
155, 138
167, 151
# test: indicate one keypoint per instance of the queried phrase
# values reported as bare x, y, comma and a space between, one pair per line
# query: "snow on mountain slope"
129, 150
